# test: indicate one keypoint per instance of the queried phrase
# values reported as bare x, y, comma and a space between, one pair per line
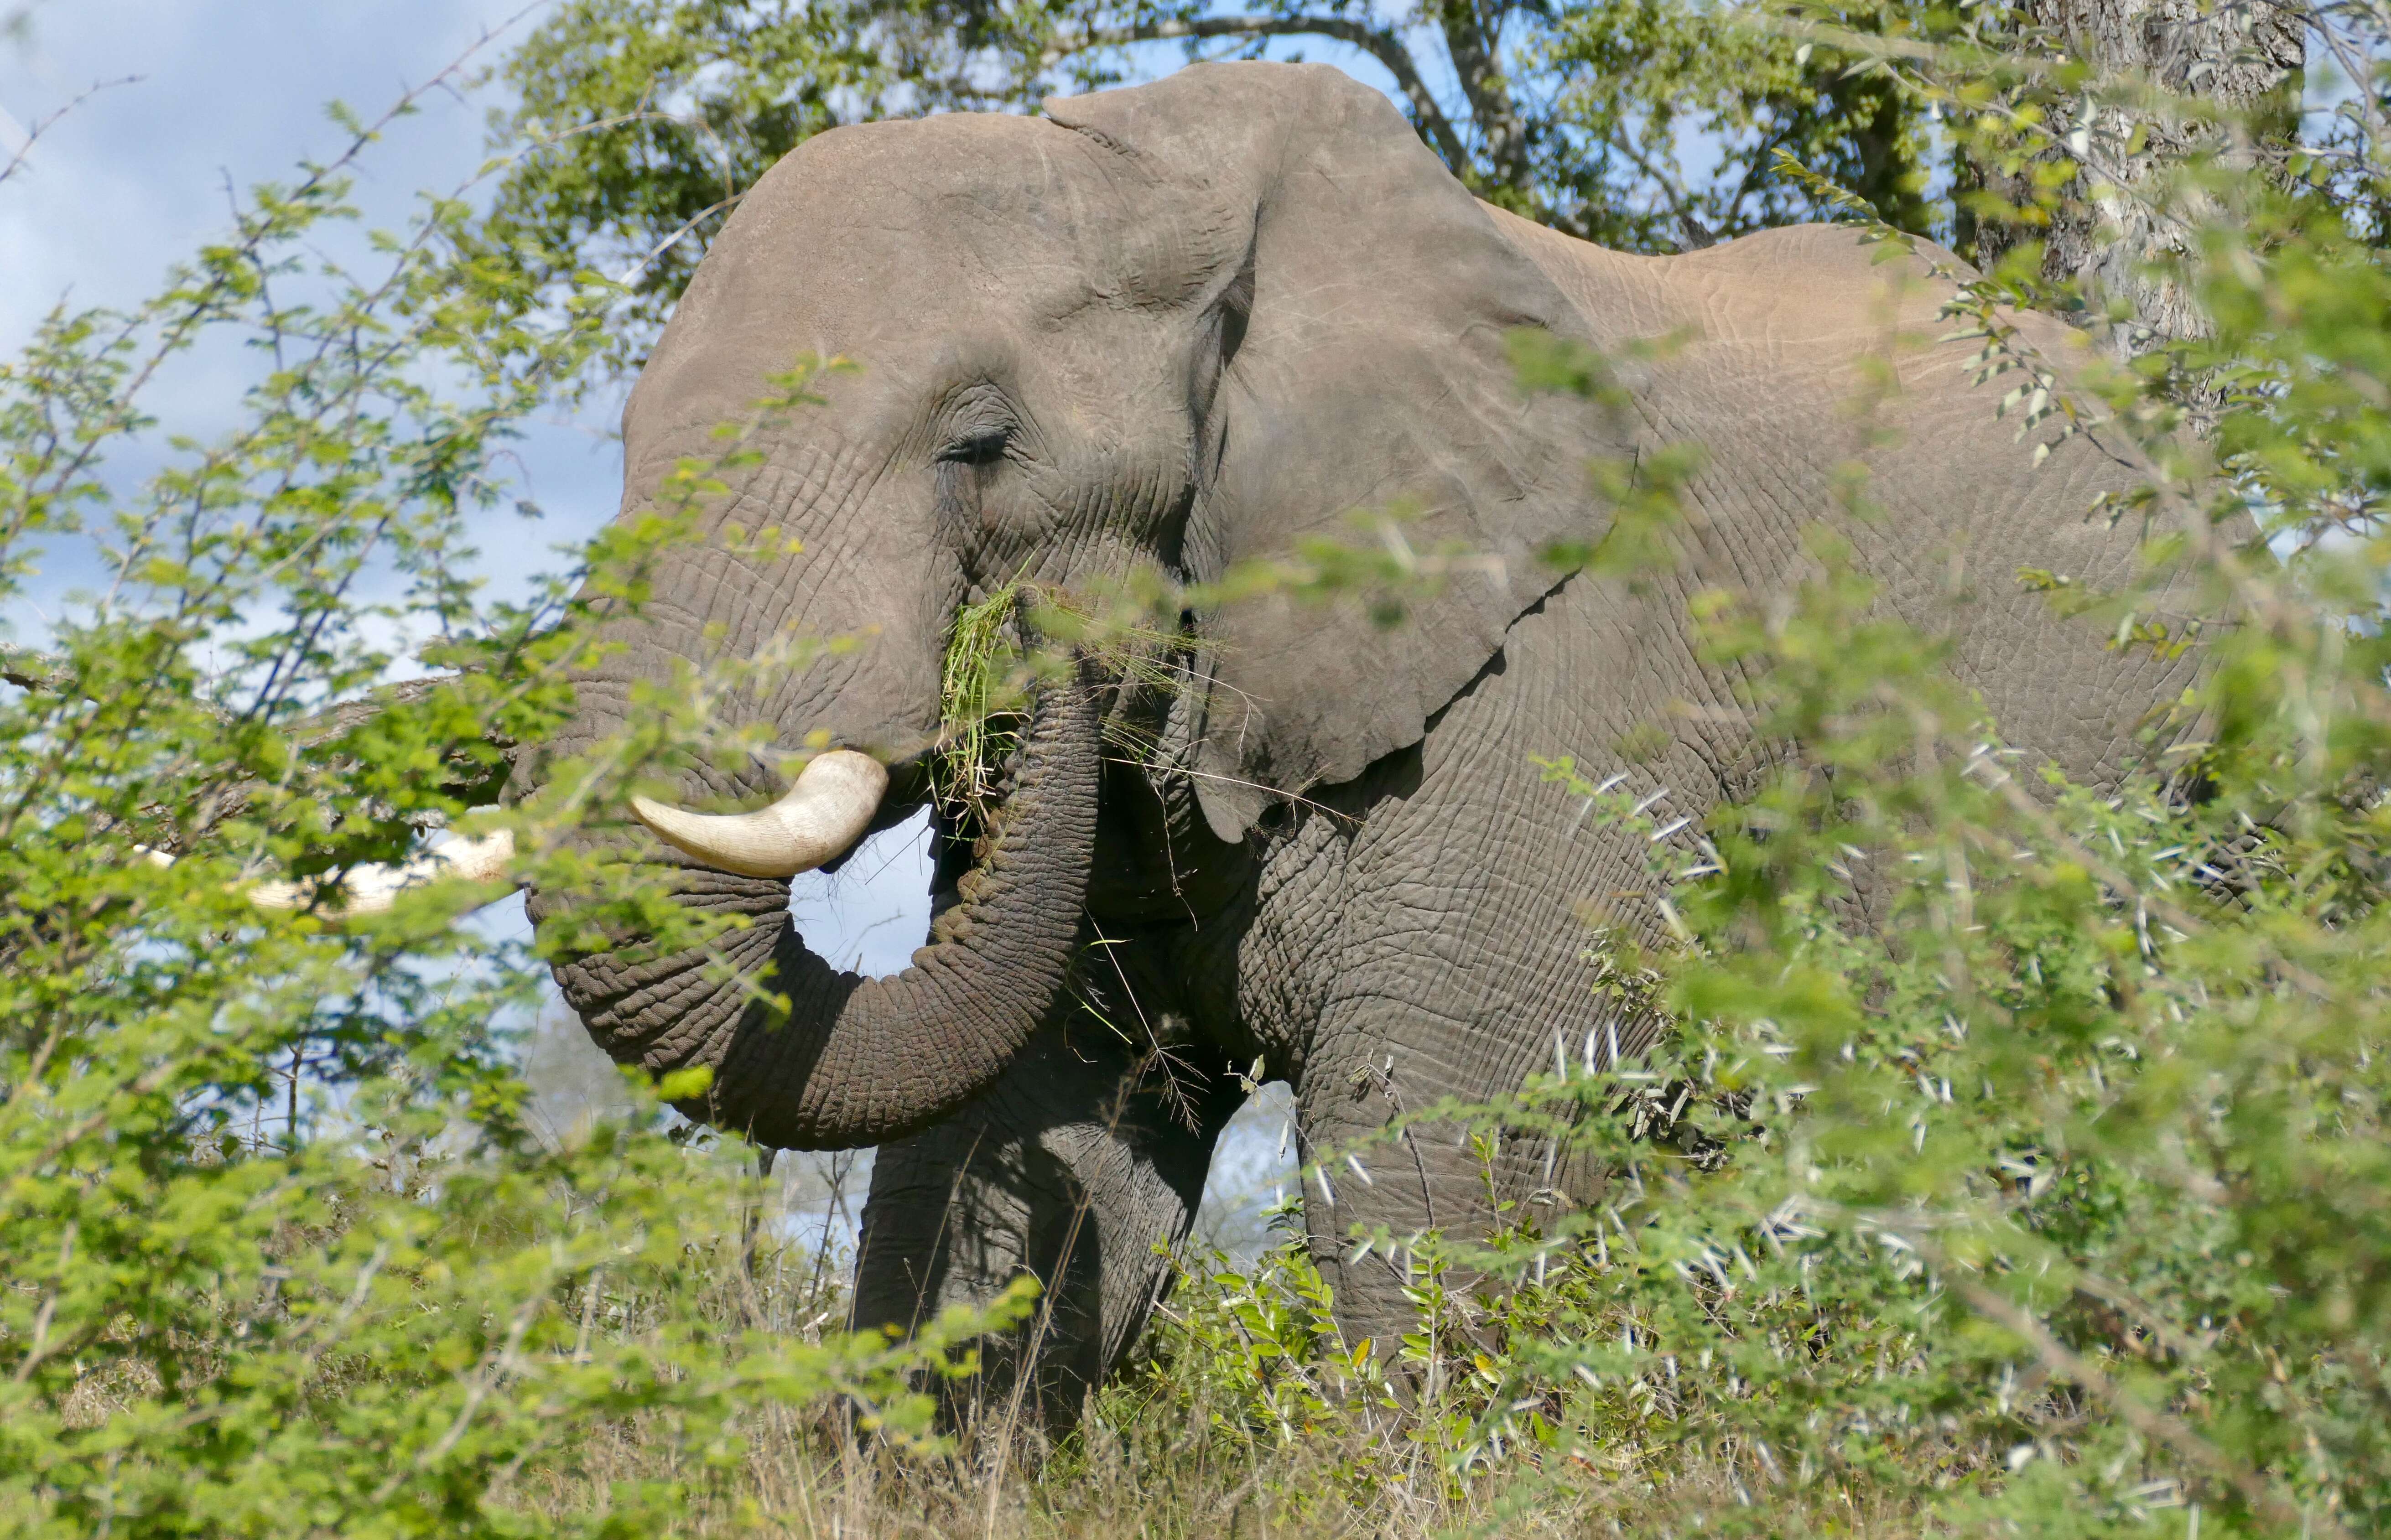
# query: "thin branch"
2354, 67
2118, 1297
1759, 167
1698, 234
17, 162
28, 669
631, 274
2159, 1426
1469, 41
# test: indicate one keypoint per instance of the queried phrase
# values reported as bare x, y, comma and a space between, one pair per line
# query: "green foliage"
1000, 647
1646, 86
973, 692
640, 124
1254, 1353
2015, 1156
646, 120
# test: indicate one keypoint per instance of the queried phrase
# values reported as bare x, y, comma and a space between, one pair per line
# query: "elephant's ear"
1371, 370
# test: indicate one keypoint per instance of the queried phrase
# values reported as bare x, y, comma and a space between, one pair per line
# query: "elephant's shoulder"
1813, 299
1811, 282
1814, 293
1616, 294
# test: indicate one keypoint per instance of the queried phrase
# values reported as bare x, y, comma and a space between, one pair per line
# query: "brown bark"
2231, 67
1472, 42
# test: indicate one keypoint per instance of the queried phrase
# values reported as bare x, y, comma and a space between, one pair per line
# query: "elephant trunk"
806, 1056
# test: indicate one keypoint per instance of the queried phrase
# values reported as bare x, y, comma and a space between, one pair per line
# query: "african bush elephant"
1158, 332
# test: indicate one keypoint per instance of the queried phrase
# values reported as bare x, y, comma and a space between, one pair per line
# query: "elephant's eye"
985, 446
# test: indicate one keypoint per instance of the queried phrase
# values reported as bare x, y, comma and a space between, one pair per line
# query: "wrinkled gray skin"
1160, 331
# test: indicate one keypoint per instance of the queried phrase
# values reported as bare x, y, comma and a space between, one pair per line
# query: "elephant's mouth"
910, 794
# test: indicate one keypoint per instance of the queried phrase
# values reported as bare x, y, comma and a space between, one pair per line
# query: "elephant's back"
1801, 353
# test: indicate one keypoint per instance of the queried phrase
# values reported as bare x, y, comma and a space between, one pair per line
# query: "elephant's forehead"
915, 221
896, 243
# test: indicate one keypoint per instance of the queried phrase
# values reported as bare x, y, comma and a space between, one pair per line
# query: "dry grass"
1179, 1446
1152, 1458
971, 692
813, 1477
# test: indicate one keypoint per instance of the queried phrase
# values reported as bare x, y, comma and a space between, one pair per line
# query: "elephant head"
1156, 333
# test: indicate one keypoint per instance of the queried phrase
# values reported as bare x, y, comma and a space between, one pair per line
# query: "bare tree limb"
17, 162
1476, 63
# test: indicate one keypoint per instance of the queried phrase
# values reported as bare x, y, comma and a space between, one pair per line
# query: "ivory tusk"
373, 889
819, 820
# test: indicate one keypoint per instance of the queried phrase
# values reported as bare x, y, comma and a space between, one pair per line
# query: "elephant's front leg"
1070, 1168
1367, 1169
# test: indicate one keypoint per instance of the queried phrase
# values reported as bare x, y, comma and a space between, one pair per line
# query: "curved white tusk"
817, 821
372, 889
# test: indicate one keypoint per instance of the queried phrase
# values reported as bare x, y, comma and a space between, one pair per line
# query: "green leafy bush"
280, 1255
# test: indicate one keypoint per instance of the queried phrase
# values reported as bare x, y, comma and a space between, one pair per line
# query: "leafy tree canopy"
1652, 125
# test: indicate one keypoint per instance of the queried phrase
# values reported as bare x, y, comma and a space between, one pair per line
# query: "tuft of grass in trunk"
983, 676
977, 704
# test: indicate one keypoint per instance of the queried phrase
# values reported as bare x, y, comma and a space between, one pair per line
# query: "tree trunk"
1477, 63
2244, 57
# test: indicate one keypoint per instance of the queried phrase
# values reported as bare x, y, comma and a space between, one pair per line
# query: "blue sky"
219, 91
200, 97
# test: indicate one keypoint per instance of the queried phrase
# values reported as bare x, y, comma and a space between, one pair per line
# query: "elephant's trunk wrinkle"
854, 1061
